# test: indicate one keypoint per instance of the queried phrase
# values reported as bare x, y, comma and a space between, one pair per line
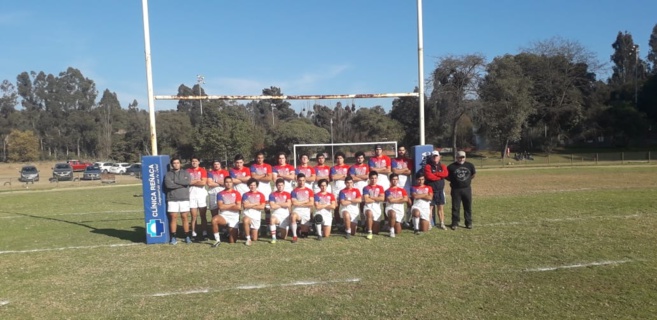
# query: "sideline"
72, 248
515, 223
583, 265
13, 192
72, 214
255, 286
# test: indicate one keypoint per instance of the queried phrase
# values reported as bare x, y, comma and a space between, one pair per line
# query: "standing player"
284, 170
322, 171
396, 197
420, 211
253, 202
307, 170
198, 196
373, 197
435, 173
229, 202
350, 199
177, 183
324, 206
262, 172
240, 174
280, 202
215, 184
359, 171
338, 173
381, 164
302, 203
460, 177
401, 166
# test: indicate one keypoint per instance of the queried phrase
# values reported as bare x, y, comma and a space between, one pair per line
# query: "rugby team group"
315, 196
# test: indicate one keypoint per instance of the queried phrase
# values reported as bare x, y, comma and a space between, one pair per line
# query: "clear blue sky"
302, 46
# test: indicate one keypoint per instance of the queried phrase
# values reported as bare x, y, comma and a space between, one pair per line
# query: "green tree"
8, 113
174, 133
652, 50
297, 131
22, 146
223, 133
375, 125
506, 102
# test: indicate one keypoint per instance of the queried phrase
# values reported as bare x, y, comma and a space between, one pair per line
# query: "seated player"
280, 202
421, 209
302, 202
253, 202
396, 197
229, 202
373, 197
324, 206
350, 200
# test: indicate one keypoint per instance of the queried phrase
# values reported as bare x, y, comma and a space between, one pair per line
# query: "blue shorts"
438, 198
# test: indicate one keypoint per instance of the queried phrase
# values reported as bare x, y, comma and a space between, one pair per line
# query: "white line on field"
592, 264
255, 286
73, 214
71, 248
3, 303
513, 223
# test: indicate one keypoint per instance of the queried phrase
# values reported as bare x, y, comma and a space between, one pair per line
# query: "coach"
460, 177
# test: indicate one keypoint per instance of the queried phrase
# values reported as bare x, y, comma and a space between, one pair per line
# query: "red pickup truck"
78, 165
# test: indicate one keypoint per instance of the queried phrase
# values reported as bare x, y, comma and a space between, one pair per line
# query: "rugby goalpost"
337, 145
152, 97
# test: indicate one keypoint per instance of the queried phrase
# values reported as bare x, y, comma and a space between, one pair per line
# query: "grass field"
547, 244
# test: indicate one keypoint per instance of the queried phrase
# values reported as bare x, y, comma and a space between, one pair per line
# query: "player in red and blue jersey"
280, 202
307, 170
421, 209
381, 164
396, 197
302, 203
262, 172
322, 171
373, 197
240, 174
253, 203
198, 196
324, 206
402, 167
359, 171
350, 199
338, 173
284, 170
215, 184
229, 202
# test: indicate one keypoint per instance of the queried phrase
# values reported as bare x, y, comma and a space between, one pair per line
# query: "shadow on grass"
137, 234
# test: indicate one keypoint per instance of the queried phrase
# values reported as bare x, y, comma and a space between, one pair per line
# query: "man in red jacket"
435, 174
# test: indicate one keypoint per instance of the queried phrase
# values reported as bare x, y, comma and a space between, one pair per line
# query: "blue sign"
153, 169
421, 154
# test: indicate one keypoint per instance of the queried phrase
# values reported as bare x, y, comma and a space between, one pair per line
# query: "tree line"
548, 95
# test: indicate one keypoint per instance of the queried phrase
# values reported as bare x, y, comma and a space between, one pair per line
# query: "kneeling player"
253, 202
302, 202
396, 197
324, 206
350, 200
280, 203
229, 202
373, 196
421, 209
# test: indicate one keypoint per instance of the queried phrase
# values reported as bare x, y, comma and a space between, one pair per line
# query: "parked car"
91, 173
62, 172
119, 168
134, 170
29, 173
78, 165
104, 166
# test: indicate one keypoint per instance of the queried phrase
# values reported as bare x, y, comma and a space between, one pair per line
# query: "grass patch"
550, 218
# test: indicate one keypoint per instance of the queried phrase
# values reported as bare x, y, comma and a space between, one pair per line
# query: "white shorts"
327, 217
424, 209
265, 189
232, 218
303, 214
283, 217
178, 206
256, 217
198, 202
360, 185
375, 208
212, 200
336, 187
398, 208
241, 188
405, 183
353, 212
384, 181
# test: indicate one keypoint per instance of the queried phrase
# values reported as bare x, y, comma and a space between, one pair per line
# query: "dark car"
134, 170
62, 172
91, 173
29, 174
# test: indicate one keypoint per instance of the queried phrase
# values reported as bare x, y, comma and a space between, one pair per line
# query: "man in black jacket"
460, 177
176, 182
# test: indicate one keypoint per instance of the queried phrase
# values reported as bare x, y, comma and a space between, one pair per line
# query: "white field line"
255, 286
72, 214
592, 264
71, 248
3, 303
513, 223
